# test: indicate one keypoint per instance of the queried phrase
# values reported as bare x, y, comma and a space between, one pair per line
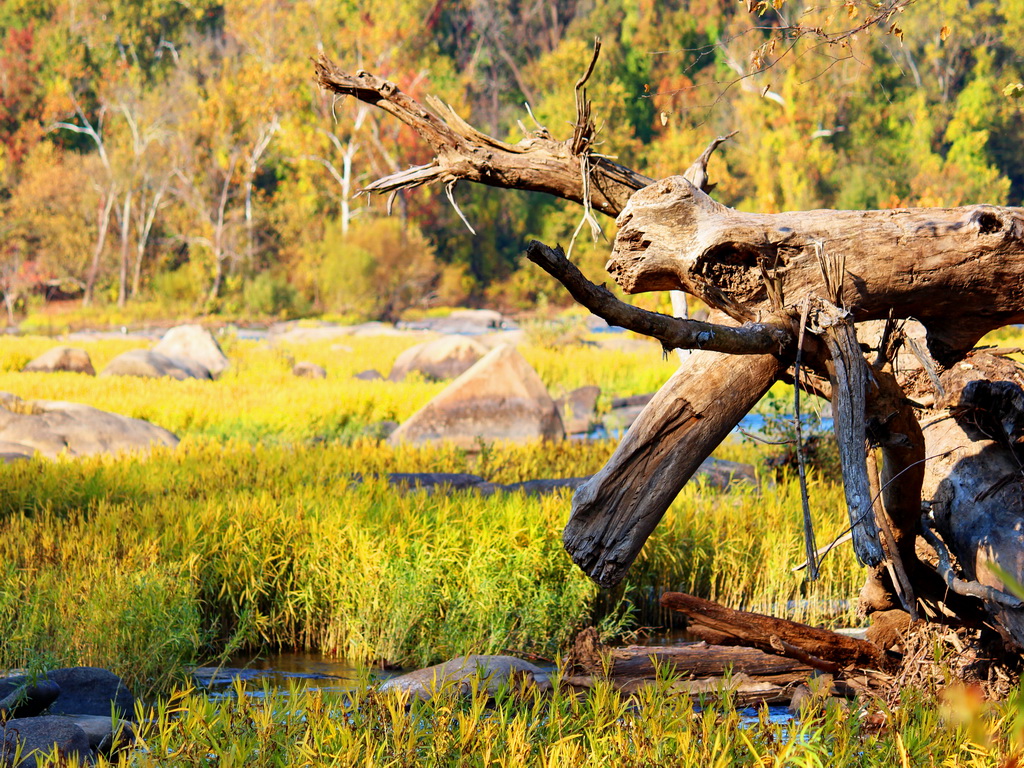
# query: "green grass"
148, 566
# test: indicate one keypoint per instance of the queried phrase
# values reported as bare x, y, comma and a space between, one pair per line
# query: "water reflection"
278, 672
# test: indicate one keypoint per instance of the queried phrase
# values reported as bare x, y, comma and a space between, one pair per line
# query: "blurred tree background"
179, 156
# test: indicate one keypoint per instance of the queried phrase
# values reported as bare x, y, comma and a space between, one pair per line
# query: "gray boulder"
577, 409
369, 375
493, 671
307, 370
499, 398
33, 737
193, 342
440, 359
147, 363
52, 428
62, 359
106, 736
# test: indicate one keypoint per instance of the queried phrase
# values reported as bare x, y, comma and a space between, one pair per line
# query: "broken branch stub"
849, 402
615, 512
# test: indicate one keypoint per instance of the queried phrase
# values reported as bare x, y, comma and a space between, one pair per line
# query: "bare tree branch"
672, 332
537, 163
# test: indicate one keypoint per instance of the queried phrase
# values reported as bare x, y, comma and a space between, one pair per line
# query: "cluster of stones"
77, 713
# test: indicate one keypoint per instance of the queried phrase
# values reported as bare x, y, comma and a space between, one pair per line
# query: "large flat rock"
53, 428
146, 363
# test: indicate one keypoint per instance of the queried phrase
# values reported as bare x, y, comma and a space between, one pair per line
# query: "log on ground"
818, 647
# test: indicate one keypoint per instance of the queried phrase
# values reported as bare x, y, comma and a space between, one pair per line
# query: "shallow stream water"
280, 672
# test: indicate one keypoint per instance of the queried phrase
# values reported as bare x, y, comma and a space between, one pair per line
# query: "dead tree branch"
537, 163
672, 332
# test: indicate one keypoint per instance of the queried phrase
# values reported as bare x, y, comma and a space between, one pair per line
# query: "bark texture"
731, 627
960, 271
615, 511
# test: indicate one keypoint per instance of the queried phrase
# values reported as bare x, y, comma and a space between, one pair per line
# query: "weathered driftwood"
700, 659
849, 402
727, 626
615, 511
537, 163
672, 332
743, 690
960, 271
974, 485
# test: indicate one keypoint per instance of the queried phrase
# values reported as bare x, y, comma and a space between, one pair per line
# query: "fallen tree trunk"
615, 511
813, 646
701, 659
960, 271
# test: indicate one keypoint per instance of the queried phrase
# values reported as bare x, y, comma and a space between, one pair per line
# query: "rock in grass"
53, 428
62, 359
106, 736
428, 481
89, 691
577, 409
440, 359
195, 343
147, 363
23, 697
493, 671
500, 398
35, 736
307, 370
369, 375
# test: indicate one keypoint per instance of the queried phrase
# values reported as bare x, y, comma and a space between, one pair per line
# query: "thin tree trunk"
122, 281
103, 223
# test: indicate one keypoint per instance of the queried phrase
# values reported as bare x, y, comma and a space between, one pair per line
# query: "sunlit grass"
269, 526
258, 398
146, 566
599, 728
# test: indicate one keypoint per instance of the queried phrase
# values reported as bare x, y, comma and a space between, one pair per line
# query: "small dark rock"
370, 375
306, 370
632, 401
381, 430
91, 691
544, 487
455, 481
28, 699
41, 735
